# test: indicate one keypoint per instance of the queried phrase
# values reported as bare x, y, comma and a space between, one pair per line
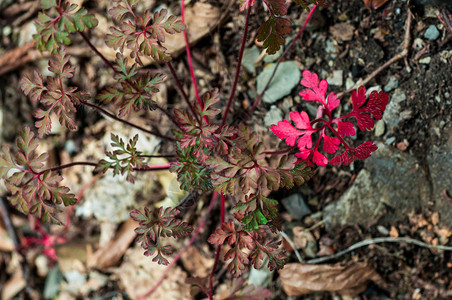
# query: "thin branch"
190, 62
299, 34
176, 259
106, 61
292, 244
217, 253
109, 64
239, 64
164, 166
105, 112
402, 54
377, 241
181, 89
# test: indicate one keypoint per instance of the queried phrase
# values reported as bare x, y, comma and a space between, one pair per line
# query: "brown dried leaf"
342, 32
374, 4
352, 279
196, 263
110, 254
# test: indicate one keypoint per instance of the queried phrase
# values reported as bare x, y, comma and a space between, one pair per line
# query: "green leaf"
273, 33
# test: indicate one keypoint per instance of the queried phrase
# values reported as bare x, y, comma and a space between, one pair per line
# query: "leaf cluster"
57, 20
34, 190
248, 248
53, 94
124, 160
142, 34
157, 224
301, 135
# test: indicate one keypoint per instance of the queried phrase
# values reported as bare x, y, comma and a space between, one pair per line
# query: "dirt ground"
345, 37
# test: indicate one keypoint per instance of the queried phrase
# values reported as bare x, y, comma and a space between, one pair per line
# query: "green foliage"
124, 160
34, 190
143, 35
57, 21
155, 224
273, 33
53, 94
134, 91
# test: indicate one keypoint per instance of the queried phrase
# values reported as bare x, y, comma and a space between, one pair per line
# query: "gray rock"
425, 60
391, 115
250, 56
391, 185
432, 33
273, 116
296, 206
287, 76
379, 128
393, 83
440, 169
336, 78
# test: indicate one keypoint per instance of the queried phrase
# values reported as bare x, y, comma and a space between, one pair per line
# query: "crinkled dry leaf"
374, 4
196, 263
352, 279
110, 254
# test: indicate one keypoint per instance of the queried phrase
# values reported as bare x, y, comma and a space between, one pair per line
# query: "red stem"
181, 89
217, 253
300, 32
239, 64
176, 259
105, 112
190, 62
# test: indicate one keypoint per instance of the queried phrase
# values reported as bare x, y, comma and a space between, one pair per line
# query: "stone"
287, 76
425, 60
379, 128
336, 78
273, 116
432, 33
250, 56
393, 83
391, 185
391, 115
296, 206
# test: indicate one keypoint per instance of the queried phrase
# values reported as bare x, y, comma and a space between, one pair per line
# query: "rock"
379, 128
391, 185
296, 206
432, 33
418, 44
331, 49
287, 76
260, 277
391, 114
349, 83
273, 116
390, 140
425, 60
393, 83
336, 78
342, 32
250, 56
440, 168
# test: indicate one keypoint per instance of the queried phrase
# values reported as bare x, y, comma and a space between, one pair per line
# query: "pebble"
390, 140
273, 116
296, 206
425, 60
349, 83
432, 33
418, 44
379, 128
336, 78
330, 48
392, 84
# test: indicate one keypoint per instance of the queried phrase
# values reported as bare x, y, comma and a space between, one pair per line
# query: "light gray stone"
432, 33
391, 185
296, 206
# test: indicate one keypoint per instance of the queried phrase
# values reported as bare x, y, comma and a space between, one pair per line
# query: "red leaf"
319, 159
285, 130
316, 91
345, 128
277, 7
330, 144
363, 151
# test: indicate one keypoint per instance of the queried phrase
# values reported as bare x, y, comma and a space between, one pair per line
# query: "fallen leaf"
110, 254
374, 4
196, 263
302, 279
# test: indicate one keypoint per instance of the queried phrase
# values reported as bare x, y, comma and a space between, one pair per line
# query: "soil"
374, 37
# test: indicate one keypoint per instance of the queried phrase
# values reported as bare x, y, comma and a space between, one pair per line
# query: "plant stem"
164, 166
190, 62
105, 112
181, 89
300, 32
178, 256
109, 64
217, 253
239, 64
